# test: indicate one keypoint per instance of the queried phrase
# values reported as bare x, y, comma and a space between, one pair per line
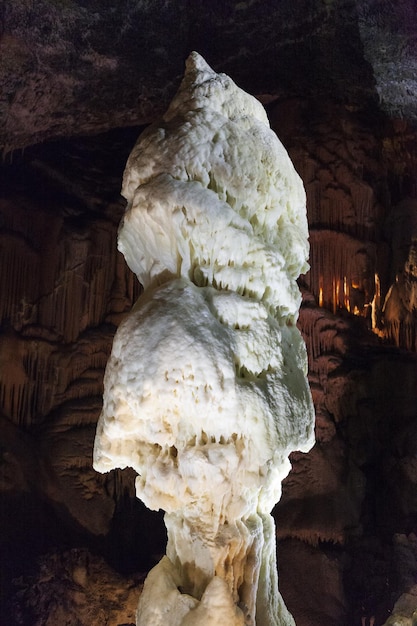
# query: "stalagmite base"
206, 391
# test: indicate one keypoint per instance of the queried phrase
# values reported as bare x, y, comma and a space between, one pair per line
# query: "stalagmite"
206, 391
400, 307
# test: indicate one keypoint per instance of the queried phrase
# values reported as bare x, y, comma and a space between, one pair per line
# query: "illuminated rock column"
205, 390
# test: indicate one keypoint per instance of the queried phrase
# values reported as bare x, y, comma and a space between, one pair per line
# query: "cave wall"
67, 289
348, 502
74, 544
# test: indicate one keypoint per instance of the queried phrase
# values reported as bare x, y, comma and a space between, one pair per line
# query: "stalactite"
337, 197
342, 271
343, 216
400, 306
18, 279
37, 376
58, 276
79, 293
348, 208
324, 335
402, 332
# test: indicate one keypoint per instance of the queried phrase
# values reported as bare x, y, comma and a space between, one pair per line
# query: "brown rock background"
77, 81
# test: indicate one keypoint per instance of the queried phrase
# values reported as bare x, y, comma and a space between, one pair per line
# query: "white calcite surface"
205, 390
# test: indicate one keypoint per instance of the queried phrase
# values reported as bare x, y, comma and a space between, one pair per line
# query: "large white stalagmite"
205, 390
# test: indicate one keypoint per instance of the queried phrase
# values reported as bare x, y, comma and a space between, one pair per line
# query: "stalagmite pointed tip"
195, 62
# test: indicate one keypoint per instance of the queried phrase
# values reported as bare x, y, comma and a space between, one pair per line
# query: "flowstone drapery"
205, 390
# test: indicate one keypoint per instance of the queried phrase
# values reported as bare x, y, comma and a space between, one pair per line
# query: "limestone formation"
206, 391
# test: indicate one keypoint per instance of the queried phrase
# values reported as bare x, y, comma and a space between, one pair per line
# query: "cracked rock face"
206, 391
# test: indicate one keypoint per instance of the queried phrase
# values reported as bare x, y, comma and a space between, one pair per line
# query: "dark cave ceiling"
71, 67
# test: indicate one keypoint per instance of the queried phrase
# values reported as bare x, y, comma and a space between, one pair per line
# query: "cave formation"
79, 80
206, 391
